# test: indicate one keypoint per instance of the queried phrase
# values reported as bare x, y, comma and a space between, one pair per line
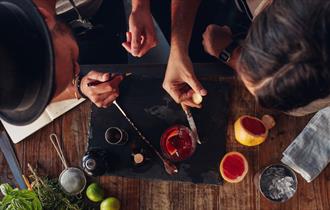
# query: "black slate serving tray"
153, 111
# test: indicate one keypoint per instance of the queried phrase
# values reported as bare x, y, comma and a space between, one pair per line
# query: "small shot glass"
116, 136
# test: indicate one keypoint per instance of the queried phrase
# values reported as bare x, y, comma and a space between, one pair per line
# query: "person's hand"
216, 39
103, 94
180, 81
141, 36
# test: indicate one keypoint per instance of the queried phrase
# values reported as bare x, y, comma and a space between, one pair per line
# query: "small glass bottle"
95, 162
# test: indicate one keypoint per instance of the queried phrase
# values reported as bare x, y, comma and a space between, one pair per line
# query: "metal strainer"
72, 180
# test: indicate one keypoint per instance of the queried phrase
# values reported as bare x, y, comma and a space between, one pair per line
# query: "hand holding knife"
196, 99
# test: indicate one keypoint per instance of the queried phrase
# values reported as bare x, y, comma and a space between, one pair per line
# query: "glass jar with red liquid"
177, 143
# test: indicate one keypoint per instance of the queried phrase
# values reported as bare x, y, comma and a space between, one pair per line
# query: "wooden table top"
145, 194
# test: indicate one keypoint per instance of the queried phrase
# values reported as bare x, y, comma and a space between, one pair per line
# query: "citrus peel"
170, 148
251, 131
268, 121
233, 167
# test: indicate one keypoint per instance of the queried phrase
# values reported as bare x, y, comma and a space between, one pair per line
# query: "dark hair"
286, 53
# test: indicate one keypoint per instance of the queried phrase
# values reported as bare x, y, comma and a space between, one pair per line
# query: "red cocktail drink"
177, 143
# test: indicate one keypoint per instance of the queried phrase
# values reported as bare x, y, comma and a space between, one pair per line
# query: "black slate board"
153, 111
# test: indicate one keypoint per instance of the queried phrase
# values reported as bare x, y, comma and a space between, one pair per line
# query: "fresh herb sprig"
15, 199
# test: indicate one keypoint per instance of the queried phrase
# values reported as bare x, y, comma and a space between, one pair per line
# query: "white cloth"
309, 153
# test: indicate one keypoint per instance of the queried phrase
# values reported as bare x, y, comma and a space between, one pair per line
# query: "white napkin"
309, 153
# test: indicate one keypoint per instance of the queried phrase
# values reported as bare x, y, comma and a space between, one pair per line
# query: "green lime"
94, 192
110, 203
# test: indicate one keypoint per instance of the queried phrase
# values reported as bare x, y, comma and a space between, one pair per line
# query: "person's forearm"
68, 93
183, 18
140, 4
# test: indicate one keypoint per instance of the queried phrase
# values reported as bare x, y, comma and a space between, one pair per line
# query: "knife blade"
192, 124
8, 152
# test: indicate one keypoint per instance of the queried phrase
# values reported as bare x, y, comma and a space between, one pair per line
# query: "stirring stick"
170, 168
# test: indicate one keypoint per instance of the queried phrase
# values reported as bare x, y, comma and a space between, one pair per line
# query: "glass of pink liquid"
177, 143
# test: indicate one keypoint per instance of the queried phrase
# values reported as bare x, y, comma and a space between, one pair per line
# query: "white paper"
52, 111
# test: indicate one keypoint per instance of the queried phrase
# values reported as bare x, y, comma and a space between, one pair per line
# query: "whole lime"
110, 203
94, 192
